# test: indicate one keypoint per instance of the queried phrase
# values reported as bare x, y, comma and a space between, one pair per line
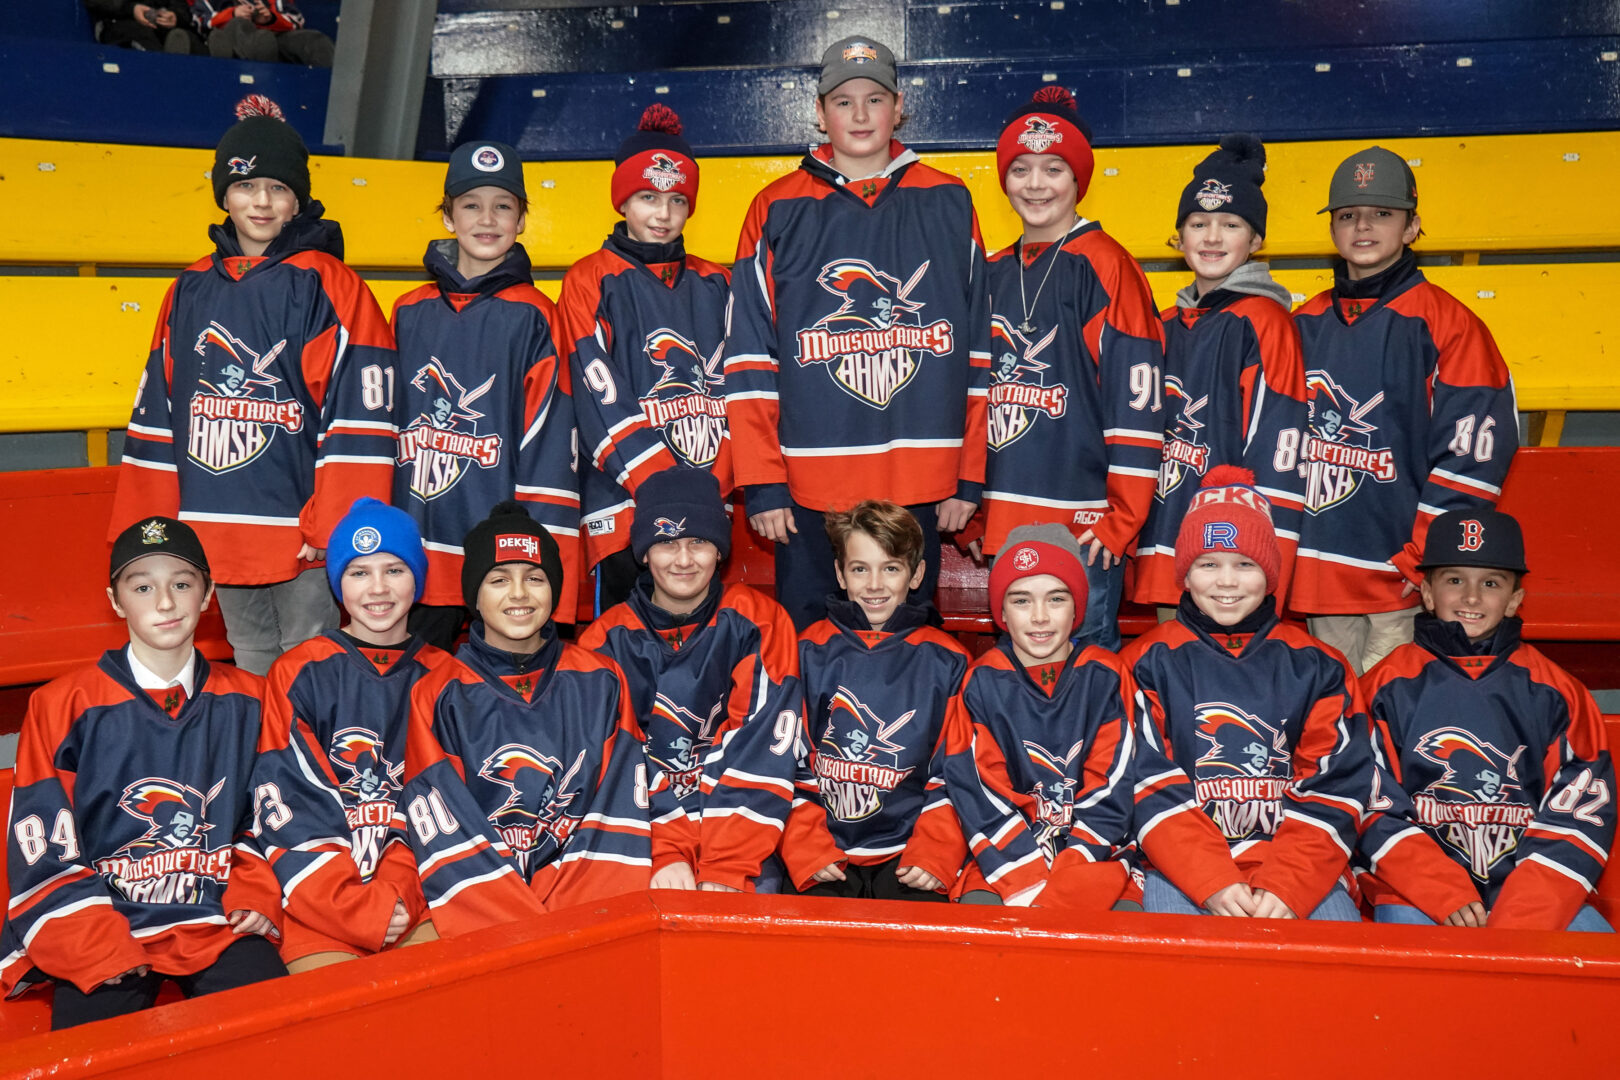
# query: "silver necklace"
1028, 325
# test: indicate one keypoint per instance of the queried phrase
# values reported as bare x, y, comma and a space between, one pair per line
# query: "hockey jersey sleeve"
547, 465
747, 780
751, 367
937, 844
1126, 339
975, 435
1274, 416
1565, 847
148, 479
1473, 426
1092, 869
996, 832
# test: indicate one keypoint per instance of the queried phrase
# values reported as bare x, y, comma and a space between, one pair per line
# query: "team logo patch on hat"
516, 547
1220, 534
154, 532
666, 527
243, 166
1213, 195
858, 52
1039, 134
1025, 559
1364, 174
367, 540
488, 159
664, 172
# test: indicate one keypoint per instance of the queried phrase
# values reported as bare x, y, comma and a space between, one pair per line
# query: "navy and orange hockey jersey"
1040, 777
1503, 757
1260, 727
331, 759
1075, 382
525, 785
872, 785
212, 14
263, 410
484, 412
644, 325
130, 839
1411, 414
1234, 388
696, 682
857, 356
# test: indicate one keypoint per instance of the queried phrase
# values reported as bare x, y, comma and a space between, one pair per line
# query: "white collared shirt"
147, 679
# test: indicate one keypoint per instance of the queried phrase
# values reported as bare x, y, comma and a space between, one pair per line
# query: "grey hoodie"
1253, 278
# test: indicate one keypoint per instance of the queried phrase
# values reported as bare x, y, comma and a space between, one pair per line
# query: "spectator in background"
161, 26
265, 30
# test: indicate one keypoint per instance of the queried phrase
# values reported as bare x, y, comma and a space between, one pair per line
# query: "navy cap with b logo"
1487, 538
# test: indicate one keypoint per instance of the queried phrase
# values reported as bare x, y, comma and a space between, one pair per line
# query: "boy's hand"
1470, 914
954, 513
311, 554
774, 525
244, 921
242, 11
915, 877
163, 18
261, 13
398, 923
1108, 557
831, 872
1234, 901
715, 886
136, 972
1268, 906
143, 14
677, 875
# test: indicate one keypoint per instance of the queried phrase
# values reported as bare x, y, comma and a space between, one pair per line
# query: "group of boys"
262, 30
377, 792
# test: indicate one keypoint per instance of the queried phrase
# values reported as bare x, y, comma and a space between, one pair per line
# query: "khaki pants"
1364, 639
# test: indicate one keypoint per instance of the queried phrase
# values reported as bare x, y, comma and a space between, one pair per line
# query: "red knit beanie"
1048, 124
1032, 550
655, 158
1228, 514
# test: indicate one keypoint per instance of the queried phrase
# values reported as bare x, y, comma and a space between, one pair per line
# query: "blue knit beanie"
371, 526
679, 501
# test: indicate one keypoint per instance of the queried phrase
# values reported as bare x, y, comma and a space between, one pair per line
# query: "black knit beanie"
261, 143
1228, 182
508, 535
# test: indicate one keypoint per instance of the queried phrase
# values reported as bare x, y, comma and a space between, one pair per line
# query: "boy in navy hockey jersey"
713, 682
1497, 752
129, 853
857, 355
1075, 364
1411, 414
333, 746
1039, 742
1251, 725
643, 323
525, 786
871, 818
262, 412
1233, 378
483, 399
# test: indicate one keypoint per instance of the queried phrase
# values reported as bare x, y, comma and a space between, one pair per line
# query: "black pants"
249, 959
877, 882
616, 576
804, 565
437, 624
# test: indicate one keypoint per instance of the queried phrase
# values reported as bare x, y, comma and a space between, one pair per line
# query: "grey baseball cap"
1372, 177
857, 57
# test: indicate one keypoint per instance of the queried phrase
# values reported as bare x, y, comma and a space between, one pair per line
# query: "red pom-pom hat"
655, 158
1229, 514
1049, 123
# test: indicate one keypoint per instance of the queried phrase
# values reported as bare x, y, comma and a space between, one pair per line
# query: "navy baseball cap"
480, 164
1484, 538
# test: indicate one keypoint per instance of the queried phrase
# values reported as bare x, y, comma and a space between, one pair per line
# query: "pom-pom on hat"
1228, 514
508, 535
370, 527
676, 502
484, 164
655, 158
1228, 182
261, 143
1049, 123
1032, 550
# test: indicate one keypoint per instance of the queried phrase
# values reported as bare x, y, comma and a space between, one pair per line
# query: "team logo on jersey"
242, 166
682, 402
172, 862
1339, 452
1022, 388
676, 745
1243, 774
1054, 795
1478, 806
487, 159
237, 409
857, 761
368, 792
536, 808
443, 442
1184, 449
875, 340
1213, 195
664, 172
1039, 135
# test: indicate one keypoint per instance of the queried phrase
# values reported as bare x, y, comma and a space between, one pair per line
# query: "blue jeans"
1163, 898
1586, 920
1103, 589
